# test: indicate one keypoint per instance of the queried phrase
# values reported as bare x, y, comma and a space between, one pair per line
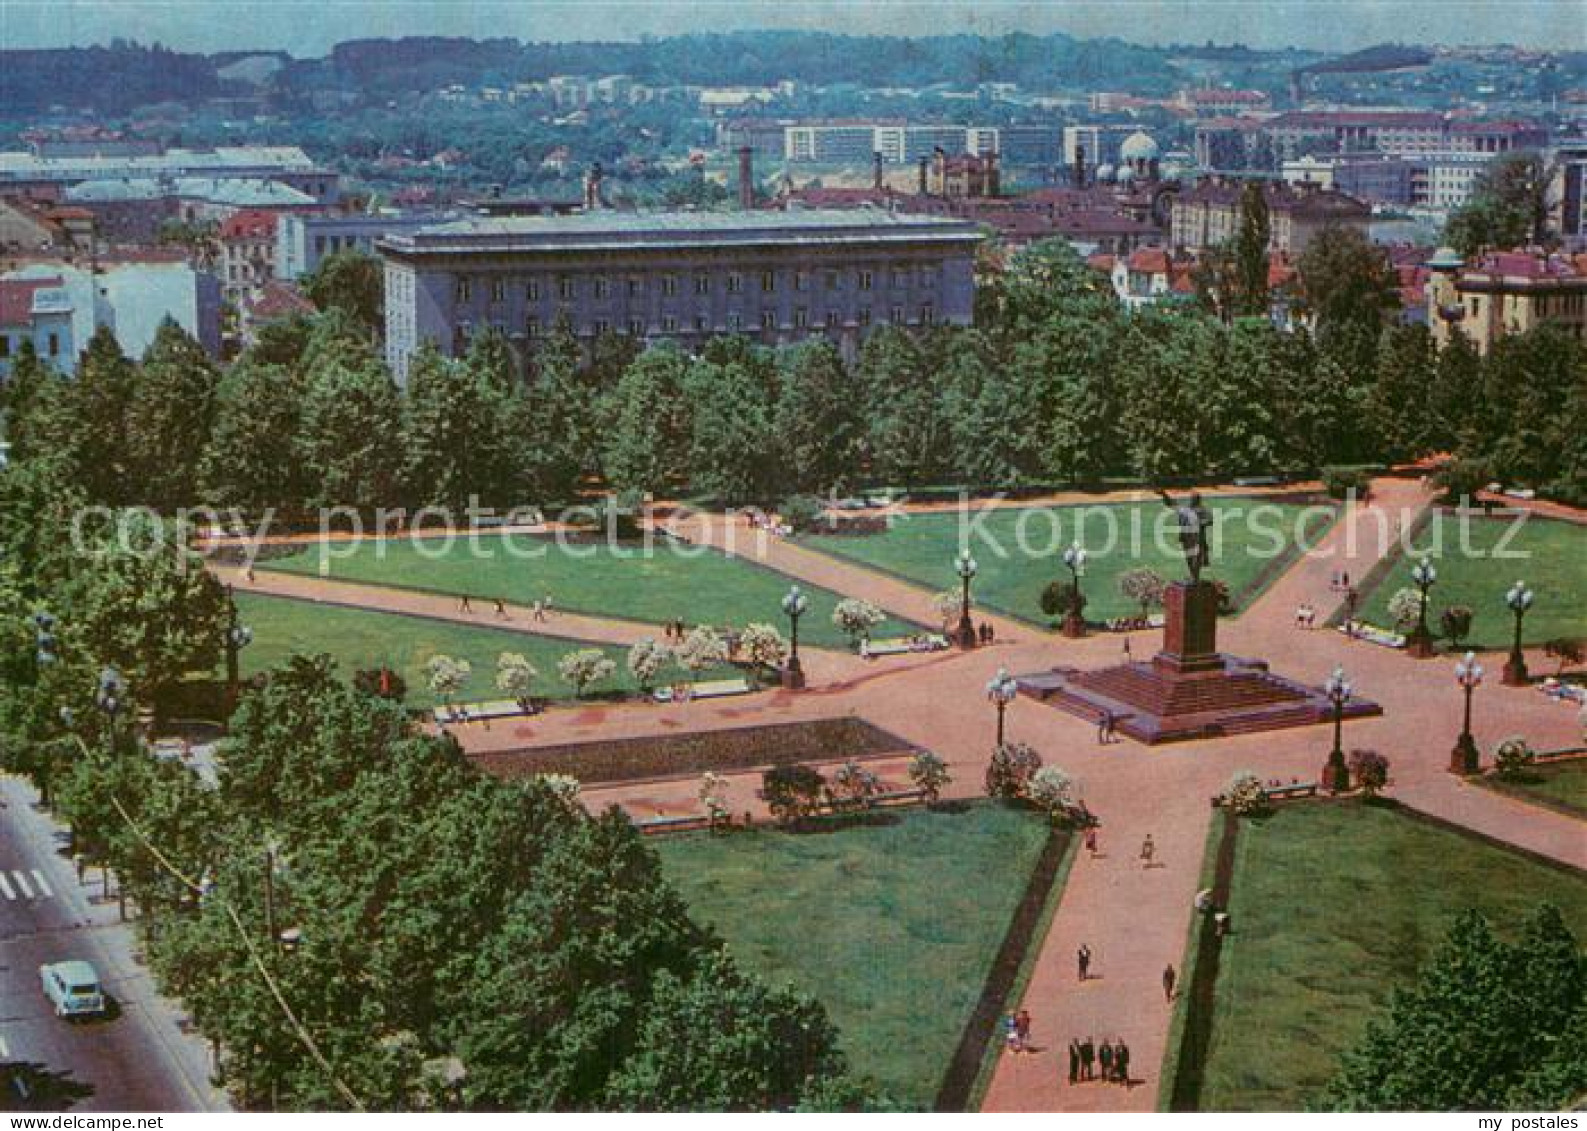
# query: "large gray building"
774, 276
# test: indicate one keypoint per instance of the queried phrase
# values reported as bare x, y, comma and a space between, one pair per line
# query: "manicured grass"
1333, 905
1554, 567
700, 585
893, 926
1250, 534
1562, 785
359, 638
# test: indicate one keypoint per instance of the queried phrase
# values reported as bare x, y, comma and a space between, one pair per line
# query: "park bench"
1134, 624
1372, 634
480, 712
901, 645
1275, 793
1257, 481
678, 824
898, 797
706, 689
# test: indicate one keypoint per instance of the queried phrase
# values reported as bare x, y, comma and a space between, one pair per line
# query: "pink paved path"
1135, 920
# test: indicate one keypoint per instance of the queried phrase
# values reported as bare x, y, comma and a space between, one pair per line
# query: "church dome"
1138, 147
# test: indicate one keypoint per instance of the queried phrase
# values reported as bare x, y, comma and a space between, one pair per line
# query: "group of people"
1016, 1031
1109, 1062
1306, 615
539, 610
675, 629
985, 633
1107, 727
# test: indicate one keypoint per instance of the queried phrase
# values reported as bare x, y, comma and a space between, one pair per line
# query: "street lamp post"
1074, 624
238, 637
1001, 690
1519, 598
794, 604
1420, 643
1335, 774
1468, 674
965, 566
110, 698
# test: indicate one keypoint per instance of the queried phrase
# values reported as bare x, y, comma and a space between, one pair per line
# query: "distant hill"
104, 78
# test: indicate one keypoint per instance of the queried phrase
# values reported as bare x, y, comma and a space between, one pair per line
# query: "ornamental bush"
856, 618
1513, 756
1370, 770
930, 774
1009, 773
792, 792
1244, 794
1052, 791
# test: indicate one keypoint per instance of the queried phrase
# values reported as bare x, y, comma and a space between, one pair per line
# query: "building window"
669, 324
801, 318
465, 290
898, 316
498, 290
735, 321
834, 280
636, 287
768, 320
702, 284
834, 320
55, 345
319, 245
768, 281
636, 327
603, 326
5, 345
865, 316
928, 277
801, 280
702, 323
669, 285
900, 277
735, 283
532, 290
865, 280
603, 288
531, 327
927, 314
565, 287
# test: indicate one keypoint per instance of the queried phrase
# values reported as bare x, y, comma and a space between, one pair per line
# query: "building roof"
1380, 119
249, 224
277, 300
22, 166
1214, 96
16, 298
603, 230
244, 192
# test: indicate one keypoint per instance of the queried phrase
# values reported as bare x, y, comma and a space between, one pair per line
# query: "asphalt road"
137, 1058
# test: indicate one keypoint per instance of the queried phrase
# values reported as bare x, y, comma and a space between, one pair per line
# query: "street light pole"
1464, 758
1074, 624
1001, 690
1420, 643
1335, 774
1519, 598
794, 604
238, 637
966, 568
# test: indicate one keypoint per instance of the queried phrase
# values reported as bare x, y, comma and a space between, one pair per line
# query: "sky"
310, 27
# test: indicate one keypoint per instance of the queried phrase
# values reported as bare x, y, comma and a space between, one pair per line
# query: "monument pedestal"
1189, 690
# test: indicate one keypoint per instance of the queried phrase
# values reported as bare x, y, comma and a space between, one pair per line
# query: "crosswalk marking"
31, 884
44, 886
22, 882
5, 887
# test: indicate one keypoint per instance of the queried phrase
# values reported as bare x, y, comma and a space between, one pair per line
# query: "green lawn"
358, 638
1554, 567
892, 927
700, 585
1563, 784
1333, 905
1117, 537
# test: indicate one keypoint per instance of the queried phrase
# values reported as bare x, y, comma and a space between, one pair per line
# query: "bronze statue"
1194, 520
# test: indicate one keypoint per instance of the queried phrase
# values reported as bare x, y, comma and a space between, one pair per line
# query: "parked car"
73, 988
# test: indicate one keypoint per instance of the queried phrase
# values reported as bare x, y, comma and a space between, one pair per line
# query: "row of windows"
702, 323
567, 286
52, 347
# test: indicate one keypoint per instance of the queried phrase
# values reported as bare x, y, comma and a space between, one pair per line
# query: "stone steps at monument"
1142, 687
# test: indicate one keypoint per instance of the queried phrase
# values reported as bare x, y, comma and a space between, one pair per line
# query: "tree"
1251, 241
100, 401
1009, 773
1143, 586
447, 676
731, 435
763, 646
713, 798
352, 282
905, 422
647, 445
1244, 794
701, 649
1513, 757
929, 774
350, 440
1405, 607
584, 668
258, 410
559, 424
853, 786
856, 618
1481, 1019
792, 792
454, 431
1456, 624
1507, 207
515, 676
1062, 597
818, 419
1052, 791
169, 417
1347, 283
1398, 402
646, 658
1370, 771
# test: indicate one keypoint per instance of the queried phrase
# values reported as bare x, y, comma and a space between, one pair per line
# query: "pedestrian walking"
1022, 1026
1083, 961
1121, 1062
1074, 1060
1011, 1033
501, 609
1169, 977
1104, 722
1088, 1059
464, 606
537, 611
247, 573
548, 604
1126, 647
1091, 842
1148, 851
1105, 1059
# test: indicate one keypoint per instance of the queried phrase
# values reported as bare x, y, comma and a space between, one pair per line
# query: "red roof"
1149, 260
278, 300
1250, 97
249, 224
16, 299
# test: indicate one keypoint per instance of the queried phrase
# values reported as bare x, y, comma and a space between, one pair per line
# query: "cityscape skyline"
311, 29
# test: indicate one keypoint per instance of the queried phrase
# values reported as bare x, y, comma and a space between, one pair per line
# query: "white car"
73, 988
